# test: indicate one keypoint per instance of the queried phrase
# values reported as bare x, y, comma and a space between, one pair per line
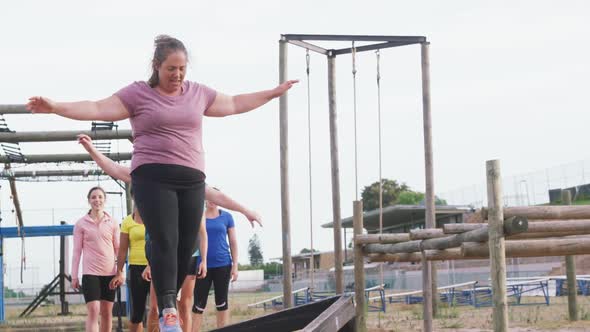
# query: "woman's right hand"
85, 141
75, 283
147, 274
40, 104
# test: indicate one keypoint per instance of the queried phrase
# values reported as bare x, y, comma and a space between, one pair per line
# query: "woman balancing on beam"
168, 163
96, 240
122, 173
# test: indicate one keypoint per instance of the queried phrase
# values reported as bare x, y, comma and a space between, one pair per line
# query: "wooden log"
545, 212
410, 246
512, 225
545, 235
533, 248
478, 235
423, 234
431, 255
359, 269
570, 270
363, 239
536, 229
495, 246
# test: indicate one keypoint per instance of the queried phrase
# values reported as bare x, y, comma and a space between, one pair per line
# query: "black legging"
170, 199
219, 277
139, 290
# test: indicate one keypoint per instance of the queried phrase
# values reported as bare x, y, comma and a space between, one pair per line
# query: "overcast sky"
509, 81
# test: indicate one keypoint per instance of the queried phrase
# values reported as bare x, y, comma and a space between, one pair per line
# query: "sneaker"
169, 321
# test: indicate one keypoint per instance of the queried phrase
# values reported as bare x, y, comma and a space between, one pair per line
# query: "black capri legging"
139, 290
219, 277
170, 199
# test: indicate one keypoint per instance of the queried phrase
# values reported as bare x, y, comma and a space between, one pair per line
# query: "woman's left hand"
283, 87
234, 273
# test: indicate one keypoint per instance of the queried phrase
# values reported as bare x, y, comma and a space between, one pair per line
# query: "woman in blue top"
222, 265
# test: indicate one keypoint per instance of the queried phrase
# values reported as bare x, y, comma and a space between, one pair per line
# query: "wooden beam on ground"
57, 136
336, 318
292, 319
363, 239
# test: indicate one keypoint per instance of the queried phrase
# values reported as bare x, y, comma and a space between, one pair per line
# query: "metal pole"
337, 219
62, 273
497, 246
2, 317
359, 269
13, 109
570, 269
284, 147
56, 136
56, 158
429, 272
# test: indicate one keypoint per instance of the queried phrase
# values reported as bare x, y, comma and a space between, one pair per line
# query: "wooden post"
359, 269
428, 269
496, 246
284, 148
337, 219
570, 270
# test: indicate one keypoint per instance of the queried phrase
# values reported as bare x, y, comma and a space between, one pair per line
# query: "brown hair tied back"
163, 46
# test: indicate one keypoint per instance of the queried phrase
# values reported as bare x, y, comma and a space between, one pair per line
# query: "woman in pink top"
96, 239
168, 164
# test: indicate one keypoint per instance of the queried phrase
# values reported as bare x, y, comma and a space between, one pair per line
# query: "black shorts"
192, 269
219, 277
96, 288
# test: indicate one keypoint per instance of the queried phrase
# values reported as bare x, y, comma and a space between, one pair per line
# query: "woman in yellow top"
133, 238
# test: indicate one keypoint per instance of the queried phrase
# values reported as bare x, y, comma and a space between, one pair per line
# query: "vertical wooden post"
337, 219
570, 270
496, 244
285, 212
359, 269
428, 268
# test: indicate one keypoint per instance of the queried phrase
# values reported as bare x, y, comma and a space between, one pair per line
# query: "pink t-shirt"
98, 244
167, 130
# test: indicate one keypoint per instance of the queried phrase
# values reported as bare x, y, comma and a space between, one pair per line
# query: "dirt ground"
397, 318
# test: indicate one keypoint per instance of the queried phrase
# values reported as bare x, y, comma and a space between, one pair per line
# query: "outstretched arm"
110, 167
203, 247
224, 201
108, 109
225, 105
